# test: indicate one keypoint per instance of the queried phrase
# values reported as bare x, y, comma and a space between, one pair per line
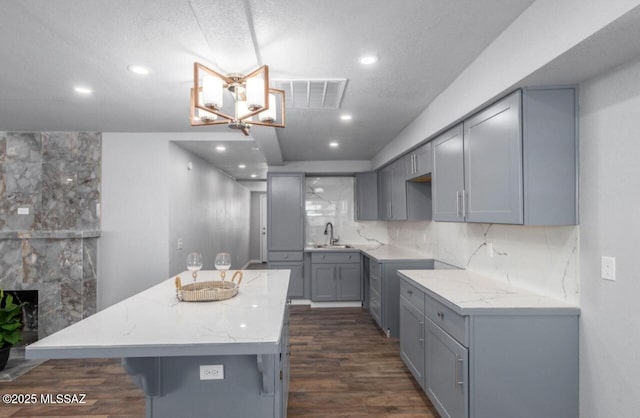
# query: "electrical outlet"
180, 243
608, 265
23, 211
490, 249
212, 372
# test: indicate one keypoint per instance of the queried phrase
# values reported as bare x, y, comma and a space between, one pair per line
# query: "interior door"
263, 228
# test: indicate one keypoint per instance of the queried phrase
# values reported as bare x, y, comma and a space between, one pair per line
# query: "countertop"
470, 293
380, 253
154, 323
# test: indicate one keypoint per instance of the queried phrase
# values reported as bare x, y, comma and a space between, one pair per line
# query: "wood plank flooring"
341, 366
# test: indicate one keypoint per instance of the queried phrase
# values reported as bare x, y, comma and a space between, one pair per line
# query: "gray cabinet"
366, 196
296, 278
336, 277
493, 164
384, 291
446, 372
398, 191
285, 225
448, 176
412, 339
419, 162
384, 193
489, 363
514, 162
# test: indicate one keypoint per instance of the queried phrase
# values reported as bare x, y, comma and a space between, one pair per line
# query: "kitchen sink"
331, 246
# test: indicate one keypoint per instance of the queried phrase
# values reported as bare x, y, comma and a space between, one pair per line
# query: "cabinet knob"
410, 292
441, 315
286, 256
323, 257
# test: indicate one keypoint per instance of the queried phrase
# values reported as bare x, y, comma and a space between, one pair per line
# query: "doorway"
263, 228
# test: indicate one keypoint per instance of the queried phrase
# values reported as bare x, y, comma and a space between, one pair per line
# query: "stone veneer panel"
53, 249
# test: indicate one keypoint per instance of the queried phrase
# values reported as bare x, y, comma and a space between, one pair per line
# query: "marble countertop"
380, 253
59, 234
154, 323
470, 293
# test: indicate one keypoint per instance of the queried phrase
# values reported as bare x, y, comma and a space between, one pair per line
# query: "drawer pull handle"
459, 368
286, 256
421, 332
440, 315
323, 257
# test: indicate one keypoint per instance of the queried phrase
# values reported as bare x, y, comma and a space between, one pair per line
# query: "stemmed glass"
194, 264
223, 263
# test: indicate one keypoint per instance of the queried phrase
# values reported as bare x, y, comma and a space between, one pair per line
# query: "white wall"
133, 249
208, 210
547, 29
610, 225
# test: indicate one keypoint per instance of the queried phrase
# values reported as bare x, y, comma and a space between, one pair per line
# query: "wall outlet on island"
608, 266
212, 372
180, 243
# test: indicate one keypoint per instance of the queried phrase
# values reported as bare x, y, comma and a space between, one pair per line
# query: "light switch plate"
212, 372
608, 265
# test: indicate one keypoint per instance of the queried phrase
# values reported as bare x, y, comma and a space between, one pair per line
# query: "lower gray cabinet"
412, 337
296, 280
446, 373
336, 277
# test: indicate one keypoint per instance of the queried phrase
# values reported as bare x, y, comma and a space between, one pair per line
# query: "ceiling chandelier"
252, 102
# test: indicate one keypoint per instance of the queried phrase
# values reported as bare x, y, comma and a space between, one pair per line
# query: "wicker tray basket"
208, 291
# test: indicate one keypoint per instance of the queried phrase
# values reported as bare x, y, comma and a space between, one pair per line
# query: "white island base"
164, 343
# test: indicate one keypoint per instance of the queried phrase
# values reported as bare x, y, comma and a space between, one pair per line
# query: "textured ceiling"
48, 47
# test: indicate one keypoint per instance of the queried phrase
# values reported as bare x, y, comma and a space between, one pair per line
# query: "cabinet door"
448, 176
446, 372
296, 278
384, 200
493, 163
423, 160
285, 194
412, 336
398, 191
367, 196
349, 281
323, 282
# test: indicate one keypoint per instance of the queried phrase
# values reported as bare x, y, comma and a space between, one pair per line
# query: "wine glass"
194, 264
223, 263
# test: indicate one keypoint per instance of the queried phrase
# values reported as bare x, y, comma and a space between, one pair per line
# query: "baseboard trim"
336, 304
299, 302
254, 262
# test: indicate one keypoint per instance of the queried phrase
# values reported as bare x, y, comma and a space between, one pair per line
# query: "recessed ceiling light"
345, 117
138, 69
221, 148
334, 144
242, 166
82, 90
253, 176
368, 59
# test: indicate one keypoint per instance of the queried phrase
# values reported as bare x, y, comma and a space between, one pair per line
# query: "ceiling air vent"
312, 94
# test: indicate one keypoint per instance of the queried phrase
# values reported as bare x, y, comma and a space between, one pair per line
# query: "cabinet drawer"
322, 257
455, 325
412, 294
375, 268
285, 255
375, 306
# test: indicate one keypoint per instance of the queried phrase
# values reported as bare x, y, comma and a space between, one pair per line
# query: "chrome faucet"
332, 240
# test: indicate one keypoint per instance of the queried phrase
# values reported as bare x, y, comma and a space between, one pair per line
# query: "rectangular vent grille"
312, 94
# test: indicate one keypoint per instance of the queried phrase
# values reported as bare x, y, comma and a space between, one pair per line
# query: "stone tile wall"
53, 249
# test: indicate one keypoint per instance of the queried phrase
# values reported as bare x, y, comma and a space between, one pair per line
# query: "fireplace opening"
28, 316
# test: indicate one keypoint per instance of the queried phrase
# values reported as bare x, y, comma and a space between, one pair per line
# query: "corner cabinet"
514, 162
513, 362
285, 227
335, 276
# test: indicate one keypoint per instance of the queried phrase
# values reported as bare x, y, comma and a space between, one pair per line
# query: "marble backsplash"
540, 259
56, 178
331, 199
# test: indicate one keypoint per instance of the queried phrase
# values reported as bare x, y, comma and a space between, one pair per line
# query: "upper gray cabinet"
419, 162
285, 213
392, 200
366, 196
514, 162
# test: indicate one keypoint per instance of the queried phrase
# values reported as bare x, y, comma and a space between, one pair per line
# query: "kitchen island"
164, 344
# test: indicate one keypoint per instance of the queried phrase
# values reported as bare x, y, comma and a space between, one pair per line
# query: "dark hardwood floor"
341, 366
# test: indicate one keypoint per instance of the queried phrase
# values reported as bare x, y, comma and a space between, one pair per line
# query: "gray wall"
254, 228
208, 210
133, 248
609, 225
